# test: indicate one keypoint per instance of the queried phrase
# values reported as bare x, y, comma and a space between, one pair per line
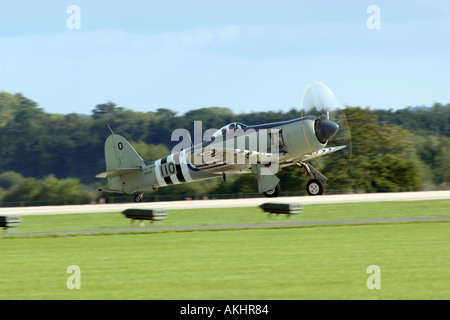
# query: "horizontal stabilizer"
117, 172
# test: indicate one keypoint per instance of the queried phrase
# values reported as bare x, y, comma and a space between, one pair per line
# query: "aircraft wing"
321, 152
218, 160
117, 172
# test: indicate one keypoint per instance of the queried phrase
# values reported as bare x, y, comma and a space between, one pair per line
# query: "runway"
229, 203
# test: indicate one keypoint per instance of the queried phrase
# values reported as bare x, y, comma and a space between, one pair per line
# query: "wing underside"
219, 161
321, 152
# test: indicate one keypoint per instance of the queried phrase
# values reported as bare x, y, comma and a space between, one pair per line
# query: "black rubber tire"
273, 193
314, 187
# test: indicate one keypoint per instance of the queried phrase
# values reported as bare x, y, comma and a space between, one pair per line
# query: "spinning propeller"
332, 123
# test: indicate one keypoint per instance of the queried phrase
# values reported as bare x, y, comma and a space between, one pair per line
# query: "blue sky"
244, 55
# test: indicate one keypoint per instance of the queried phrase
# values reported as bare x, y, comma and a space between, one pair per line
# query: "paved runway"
229, 203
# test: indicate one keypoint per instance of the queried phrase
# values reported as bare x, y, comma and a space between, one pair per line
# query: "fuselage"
231, 150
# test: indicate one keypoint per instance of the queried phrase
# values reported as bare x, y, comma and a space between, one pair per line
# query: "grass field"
314, 262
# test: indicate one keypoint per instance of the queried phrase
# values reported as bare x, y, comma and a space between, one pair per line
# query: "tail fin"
119, 154
121, 159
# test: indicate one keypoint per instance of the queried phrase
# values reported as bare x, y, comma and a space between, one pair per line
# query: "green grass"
321, 262
344, 211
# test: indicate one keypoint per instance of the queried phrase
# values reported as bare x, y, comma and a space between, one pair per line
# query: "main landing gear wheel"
314, 187
139, 197
273, 192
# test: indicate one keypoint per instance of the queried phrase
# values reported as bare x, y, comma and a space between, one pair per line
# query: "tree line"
54, 156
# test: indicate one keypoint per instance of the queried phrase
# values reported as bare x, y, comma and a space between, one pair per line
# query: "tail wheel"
314, 187
273, 192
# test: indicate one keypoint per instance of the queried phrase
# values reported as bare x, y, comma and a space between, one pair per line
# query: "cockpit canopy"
229, 127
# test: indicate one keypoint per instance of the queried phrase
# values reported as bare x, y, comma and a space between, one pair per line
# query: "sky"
244, 55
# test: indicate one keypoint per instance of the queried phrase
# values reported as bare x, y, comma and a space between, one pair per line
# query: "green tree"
106, 109
37, 144
212, 118
49, 191
150, 152
26, 191
374, 148
8, 103
10, 179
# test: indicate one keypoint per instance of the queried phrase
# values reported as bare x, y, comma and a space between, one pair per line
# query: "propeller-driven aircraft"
235, 148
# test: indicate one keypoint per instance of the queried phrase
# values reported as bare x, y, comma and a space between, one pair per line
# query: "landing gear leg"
139, 197
315, 185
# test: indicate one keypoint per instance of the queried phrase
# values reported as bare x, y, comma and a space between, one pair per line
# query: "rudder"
121, 160
120, 154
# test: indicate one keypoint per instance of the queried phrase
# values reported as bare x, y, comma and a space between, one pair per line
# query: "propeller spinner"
325, 129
